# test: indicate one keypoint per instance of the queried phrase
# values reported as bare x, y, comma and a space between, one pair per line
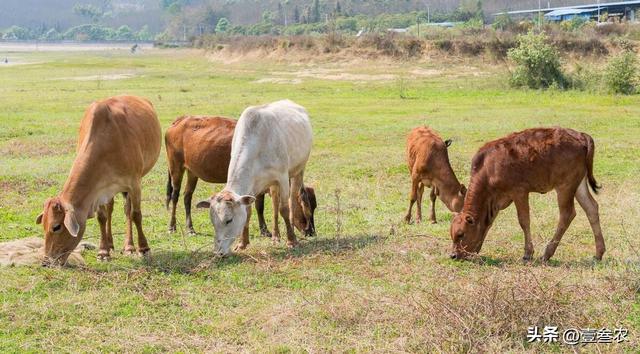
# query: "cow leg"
567, 213
129, 247
264, 231
419, 203
522, 207
275, 200
177, 172
136, 216
413, 195
590, 207
244, 241
106, 240
433, 197
192, 181
289, 205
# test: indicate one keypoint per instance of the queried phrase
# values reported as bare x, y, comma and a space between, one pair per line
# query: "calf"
119, 143
202, 146
508, 169
270, 148
429, 166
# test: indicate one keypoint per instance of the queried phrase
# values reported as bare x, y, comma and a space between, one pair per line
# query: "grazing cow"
270, 148
429, 166
508, 169
119, 143
202, 146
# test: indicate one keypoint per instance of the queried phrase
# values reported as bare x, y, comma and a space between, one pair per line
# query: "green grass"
377, 284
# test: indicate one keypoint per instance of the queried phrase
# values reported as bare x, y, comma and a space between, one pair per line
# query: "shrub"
538, 63
621, 74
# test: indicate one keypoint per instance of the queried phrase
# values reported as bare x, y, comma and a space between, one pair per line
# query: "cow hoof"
265, 233
433, 222
104, 256
172, 229
240, 247
407, 219
129, 251
192, 232
146, 253
527, 259
275, 240
292, 244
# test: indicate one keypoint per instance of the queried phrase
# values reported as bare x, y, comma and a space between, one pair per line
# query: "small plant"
538, 63
621, 74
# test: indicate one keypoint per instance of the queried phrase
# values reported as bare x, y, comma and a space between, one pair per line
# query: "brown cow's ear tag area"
448, 142
39, 219
71, 223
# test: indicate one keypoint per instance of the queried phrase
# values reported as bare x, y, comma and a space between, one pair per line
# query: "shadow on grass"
587, 263
190, 262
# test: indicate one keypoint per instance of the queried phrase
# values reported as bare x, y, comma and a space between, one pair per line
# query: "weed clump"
538, 63
621, 73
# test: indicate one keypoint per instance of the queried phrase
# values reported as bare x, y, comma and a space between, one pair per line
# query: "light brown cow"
429, 166
119, 143
508, 169
201, 145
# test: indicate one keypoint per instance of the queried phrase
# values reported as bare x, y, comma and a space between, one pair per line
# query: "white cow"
270, 149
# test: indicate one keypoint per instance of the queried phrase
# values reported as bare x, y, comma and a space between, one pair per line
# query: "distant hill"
60, 14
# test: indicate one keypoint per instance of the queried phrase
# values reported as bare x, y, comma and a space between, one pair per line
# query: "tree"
144, 34
92, 13
17, 32
124, 33
338, 8
223, 25
296, 14
315, 11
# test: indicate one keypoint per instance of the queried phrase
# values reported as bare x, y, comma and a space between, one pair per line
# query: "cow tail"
590, 153
169, 189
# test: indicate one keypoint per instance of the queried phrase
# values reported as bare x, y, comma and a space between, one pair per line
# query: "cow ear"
39, 219
448, 142
204, 204
469, 219
246, 199
71, 223
463, 190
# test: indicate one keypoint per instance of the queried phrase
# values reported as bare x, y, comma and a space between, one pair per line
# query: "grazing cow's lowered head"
467, 236
308, 204
228, 212
62, 231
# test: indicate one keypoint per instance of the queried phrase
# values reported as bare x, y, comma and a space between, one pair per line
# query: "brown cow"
119, 143
429, 166
202, 146
508, 169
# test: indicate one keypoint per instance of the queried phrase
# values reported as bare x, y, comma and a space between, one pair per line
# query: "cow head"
228, 212
308, 204
62, 231
467, 236
458, 200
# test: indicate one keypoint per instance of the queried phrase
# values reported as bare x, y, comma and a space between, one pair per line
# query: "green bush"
537, 63
621, 74
17, 33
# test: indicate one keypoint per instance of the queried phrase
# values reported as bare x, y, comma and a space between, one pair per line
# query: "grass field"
367, 282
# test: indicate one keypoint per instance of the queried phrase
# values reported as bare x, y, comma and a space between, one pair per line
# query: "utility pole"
428, 14
418, 23
539, 14
598, 11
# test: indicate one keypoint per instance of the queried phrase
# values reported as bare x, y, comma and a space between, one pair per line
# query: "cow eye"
228, 221
57, 228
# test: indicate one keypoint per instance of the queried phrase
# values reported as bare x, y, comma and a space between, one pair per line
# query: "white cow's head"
228, 212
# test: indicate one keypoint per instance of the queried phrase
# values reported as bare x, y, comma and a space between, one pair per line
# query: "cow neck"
240, 182
479, 201
81, 186
448, 188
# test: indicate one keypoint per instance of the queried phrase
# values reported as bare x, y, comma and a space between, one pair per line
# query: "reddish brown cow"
119, 143
429, 166
508, 169
202, 146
